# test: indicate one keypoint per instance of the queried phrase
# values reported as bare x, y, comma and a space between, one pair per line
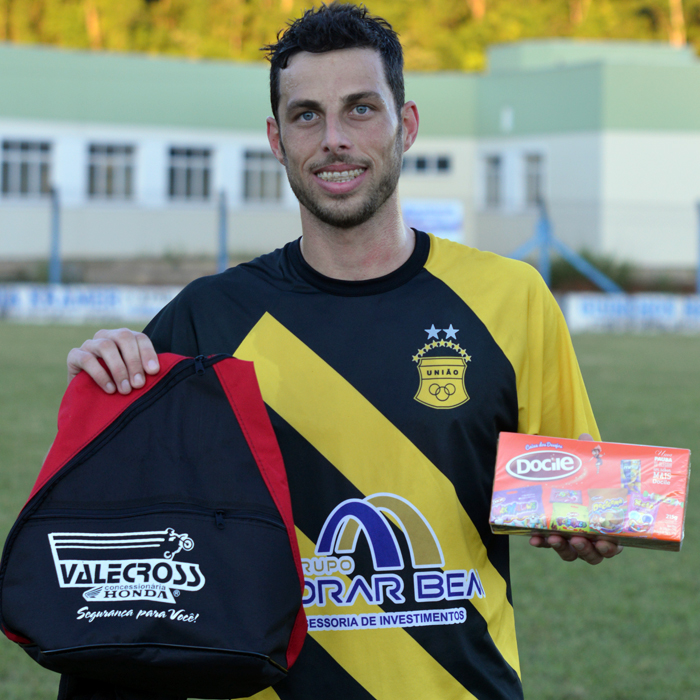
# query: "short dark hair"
333, 27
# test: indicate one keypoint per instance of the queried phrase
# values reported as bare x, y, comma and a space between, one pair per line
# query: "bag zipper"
220, 515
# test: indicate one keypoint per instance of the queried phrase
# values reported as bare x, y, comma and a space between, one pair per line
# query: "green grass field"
628, 629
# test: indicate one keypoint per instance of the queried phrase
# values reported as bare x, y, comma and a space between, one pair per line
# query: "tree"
437, 34
578, 11
477, 8
677, 35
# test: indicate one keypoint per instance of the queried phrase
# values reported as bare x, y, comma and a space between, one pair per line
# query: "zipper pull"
220, 519
199, 365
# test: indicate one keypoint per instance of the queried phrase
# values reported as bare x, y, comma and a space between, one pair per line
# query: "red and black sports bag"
157, 549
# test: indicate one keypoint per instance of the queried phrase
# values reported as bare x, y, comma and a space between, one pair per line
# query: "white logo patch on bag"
115, 567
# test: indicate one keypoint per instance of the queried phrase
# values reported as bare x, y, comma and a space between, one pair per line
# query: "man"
389, 361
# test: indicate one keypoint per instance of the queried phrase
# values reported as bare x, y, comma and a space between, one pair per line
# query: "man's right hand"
128, 355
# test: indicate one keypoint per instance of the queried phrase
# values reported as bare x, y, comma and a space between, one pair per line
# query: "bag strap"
237, 377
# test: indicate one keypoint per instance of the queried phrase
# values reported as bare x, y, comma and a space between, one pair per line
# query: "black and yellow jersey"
387, 397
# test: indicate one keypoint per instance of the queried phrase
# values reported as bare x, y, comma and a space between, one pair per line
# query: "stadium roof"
547, 87
46, 83
99, 87
552, 53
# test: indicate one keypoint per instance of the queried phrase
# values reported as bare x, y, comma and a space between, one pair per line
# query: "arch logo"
384, 597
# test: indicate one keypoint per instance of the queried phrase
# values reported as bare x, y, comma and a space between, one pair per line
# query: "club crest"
441, 365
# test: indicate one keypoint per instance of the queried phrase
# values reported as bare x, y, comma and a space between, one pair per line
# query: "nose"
335, 138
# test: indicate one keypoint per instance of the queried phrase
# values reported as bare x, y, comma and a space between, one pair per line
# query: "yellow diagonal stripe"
394, 646
375, 456
267, 694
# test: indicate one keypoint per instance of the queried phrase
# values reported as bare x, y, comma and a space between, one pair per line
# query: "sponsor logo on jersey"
441, 364
543, 466
125, 566
329, 579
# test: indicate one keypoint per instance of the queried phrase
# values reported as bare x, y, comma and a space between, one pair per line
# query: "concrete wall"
651, 189
628, 194
456, 185
631, 195
108, 231
571, 189
149, 223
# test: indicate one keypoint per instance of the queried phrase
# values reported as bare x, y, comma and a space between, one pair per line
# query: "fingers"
592, 552
606, 549
559, 544
121, 353
81, 359
128, 357
149, 357
586, 550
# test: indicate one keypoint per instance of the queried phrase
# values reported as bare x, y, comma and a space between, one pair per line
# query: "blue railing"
545, 242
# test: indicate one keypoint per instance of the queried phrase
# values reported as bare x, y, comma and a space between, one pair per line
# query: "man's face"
339, 135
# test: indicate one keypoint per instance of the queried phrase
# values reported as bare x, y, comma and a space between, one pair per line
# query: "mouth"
340, 175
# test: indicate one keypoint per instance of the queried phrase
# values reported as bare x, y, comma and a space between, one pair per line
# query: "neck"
370, 250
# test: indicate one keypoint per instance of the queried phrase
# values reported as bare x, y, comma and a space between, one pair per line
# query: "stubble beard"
341, 217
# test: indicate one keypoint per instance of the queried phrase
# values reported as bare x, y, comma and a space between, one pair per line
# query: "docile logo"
544, 466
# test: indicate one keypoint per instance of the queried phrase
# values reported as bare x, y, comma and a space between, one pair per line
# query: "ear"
273, 136
410, 118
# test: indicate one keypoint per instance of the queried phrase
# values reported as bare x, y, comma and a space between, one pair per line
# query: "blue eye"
307, 116
362, 109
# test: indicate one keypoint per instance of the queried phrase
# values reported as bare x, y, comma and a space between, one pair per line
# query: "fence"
633, 313
83, 303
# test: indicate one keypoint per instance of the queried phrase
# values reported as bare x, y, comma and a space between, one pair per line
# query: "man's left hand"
591, 551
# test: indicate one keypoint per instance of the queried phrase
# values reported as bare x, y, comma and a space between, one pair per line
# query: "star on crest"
441, 344
451, 332
432, 332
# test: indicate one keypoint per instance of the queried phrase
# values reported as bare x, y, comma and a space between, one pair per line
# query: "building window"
110, 171
189, 175
534, 179
426, 165
494, 168
26, 168
262, 181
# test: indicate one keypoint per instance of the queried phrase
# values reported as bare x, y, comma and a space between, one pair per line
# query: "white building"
609, 133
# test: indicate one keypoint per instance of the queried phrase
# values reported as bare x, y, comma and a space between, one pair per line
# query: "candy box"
631, 494
519, 507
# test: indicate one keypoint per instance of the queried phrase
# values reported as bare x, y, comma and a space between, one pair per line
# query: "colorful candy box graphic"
631, 494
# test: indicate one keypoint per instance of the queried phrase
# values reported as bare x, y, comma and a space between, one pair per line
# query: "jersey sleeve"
514, 303
552, 397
